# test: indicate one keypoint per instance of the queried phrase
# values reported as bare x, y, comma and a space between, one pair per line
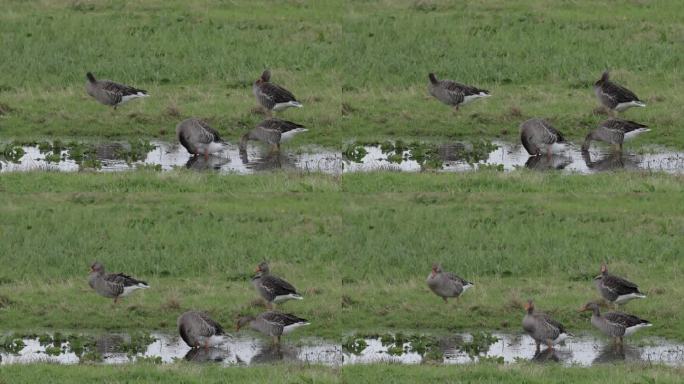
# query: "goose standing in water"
615, 97
272, 288
616, 289
197, 329
271, 96
615, 324
446, 284
542, 328
272, 132
198, 137
272, 323
454, 94
538, 137
615, 132
110, 93
113, 285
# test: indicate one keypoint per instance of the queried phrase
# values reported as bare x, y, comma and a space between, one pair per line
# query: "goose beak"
582, 309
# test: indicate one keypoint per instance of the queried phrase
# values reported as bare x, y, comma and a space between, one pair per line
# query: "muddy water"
453, 157
583, 350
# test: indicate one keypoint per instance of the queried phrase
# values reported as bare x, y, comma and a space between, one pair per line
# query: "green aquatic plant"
13, 152
12, 344
354, 152
354, 344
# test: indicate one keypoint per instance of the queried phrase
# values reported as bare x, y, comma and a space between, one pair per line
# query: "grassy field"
359, 246
359, 67
395, 374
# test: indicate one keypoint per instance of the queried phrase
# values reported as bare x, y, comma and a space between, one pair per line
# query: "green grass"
184, 373
359, 67
359, 246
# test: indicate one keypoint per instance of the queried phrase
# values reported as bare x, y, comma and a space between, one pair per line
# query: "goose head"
529, 306
243, 321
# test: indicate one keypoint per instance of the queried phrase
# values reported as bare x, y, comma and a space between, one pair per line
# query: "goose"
272, 288
615, 324
272, 323
446, 284
272, 132
112, 285
197, 329
616, 289
452, 93
271, 96
615, 97
539, 136
542, 328
615, 132
198, 137
110, 93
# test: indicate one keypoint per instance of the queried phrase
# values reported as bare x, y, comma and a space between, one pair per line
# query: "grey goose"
615, 289
272, 323
614, 96
615, 324
542, 328
615, 132
272, 96
272, 132
538, 136
198, 137
272, 288
446, 284
197, 329
113, 285
454, 94
110, 93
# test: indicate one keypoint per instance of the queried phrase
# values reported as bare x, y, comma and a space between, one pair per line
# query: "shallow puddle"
395, 156
582, 350
161, 348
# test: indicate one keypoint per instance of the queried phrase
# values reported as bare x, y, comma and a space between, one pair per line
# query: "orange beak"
257, 269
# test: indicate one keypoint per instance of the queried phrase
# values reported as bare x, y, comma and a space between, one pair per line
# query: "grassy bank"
478, 373
360, 68
359, 246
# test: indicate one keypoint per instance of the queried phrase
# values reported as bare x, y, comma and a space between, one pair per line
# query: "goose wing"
619, 285
622, 125
618, 93
276, 93
211, 325
119, 89
280, 125
624, 319
456, 278
277, 286
283, 319
123, 280
207, 134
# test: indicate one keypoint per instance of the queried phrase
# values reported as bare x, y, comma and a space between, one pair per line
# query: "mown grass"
475, 373
359, 67
359, 246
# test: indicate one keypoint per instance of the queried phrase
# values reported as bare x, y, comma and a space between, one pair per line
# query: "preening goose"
113, 285
272, 288
538, 136
272, 323
110, 93
272, 96
197, 329
615, 324
198, 137
542, 328
272, 132
615, 289
454, 94
613, 96
446, 284
615, 132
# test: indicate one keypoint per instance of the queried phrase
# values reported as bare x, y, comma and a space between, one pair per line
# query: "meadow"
360, 68
358, 246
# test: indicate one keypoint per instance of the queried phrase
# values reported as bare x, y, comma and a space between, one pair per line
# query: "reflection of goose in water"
610, 161
542, 163
612, 353
201, 355
110, 343
271, 160
269, 354
200, 163
549, 355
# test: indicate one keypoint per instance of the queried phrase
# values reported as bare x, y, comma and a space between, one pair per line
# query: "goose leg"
206, 154
537, 349
206, 344
549, 344
456, 108
548, 152
445, 300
